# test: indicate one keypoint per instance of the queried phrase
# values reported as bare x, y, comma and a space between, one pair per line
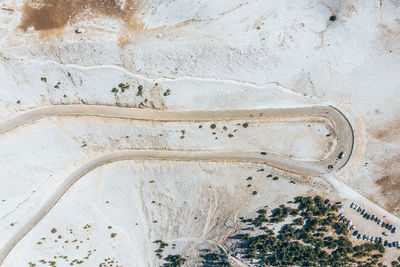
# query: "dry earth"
205, 55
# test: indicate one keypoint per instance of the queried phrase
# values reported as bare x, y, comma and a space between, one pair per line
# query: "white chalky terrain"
122, 123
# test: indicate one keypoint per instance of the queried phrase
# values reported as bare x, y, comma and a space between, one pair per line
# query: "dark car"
383, 224
263, 153
385, 243
359, 236
341, 155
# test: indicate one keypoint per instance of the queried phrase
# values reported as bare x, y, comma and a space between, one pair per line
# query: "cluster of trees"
281, 213
314, 237
213, 259
174, 261
161, 247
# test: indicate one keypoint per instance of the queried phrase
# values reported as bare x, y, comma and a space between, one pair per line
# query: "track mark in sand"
341, 125
171, 79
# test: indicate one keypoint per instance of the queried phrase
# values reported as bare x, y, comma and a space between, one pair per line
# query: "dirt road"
341, 126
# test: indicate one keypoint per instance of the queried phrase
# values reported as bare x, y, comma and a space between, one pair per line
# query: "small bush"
167, 92
140, 90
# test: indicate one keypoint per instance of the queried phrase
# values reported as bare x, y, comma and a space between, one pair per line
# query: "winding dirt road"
341, 126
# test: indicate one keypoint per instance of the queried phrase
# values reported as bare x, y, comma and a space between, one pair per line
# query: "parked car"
372, 217
352, 205
352, 228
384, 233
364, 237
359, 236
355, 233
383, 224
394, 230
341, 155
359, 209
363, 211
385, 243
372, 239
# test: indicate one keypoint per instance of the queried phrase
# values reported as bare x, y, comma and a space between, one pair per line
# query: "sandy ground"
208, 55
182, 203
51, 195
